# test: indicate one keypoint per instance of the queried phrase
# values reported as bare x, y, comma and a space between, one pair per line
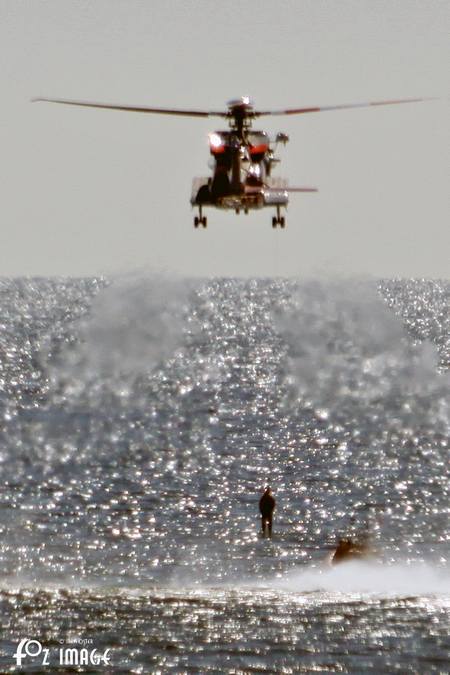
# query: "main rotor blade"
134, 108
301, 111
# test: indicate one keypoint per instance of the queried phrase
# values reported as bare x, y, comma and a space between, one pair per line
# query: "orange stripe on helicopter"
258, 149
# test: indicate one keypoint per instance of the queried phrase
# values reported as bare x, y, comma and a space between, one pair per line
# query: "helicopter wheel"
282, 222
204, 221
196, 221
274, 222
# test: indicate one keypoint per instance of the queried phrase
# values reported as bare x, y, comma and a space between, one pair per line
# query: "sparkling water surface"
141, 417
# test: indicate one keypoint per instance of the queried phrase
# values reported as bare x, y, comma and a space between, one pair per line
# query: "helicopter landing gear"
278, 220
200, 220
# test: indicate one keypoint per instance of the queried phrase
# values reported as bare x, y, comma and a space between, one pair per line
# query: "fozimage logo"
77, 654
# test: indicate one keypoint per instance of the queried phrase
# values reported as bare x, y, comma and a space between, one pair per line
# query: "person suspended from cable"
266, 508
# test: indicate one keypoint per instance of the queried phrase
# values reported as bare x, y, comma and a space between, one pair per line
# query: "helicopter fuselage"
242, 163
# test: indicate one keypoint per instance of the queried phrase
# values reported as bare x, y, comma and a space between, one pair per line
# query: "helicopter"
242, 158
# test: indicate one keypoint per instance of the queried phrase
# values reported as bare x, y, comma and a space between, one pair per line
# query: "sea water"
140, 419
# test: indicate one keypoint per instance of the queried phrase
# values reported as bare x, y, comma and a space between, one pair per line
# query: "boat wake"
364, 577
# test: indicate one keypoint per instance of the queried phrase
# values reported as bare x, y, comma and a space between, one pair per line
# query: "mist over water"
140, 418
134, 325
370, 579
349, 354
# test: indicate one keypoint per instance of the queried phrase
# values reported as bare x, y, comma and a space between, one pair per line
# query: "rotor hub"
240, 114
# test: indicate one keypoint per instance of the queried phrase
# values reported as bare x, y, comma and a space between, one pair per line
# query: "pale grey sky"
91, 191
